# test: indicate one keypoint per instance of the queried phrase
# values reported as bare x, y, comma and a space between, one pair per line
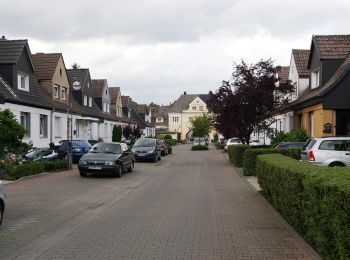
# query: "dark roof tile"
45, 64
301, 58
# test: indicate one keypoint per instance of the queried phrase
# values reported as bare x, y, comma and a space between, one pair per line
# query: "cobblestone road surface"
191, 205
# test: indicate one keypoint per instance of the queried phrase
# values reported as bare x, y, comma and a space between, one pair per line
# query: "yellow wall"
321, 117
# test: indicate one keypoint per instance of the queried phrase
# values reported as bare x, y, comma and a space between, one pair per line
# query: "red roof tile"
98, 85
45, 64
333, 46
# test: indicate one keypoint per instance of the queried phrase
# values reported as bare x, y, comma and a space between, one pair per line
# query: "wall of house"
7, 71
328, 69
321, 117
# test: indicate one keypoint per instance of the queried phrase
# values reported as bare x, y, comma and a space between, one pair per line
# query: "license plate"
95, 168
141, 154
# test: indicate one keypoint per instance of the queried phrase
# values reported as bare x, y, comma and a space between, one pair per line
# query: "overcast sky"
157, 49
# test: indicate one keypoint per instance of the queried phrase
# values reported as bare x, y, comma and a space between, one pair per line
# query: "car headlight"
82, 162
150, 151
109, 163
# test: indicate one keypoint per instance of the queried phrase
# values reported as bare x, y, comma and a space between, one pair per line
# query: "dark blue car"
79, 148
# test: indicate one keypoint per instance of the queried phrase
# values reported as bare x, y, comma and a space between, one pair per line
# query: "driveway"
190, 205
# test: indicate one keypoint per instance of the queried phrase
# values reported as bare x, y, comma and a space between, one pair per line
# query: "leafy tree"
75, 66
136, 133
152, 104
249, 101
127, 132
201, 125
11, 134
117, 133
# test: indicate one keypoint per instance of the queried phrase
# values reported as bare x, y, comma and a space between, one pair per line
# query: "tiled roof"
125, 101
45, 64
77, 74
98, 85
301, 58
333, 46
185, 100
142, 109
283, 73
11, 50
113, 93
343, 70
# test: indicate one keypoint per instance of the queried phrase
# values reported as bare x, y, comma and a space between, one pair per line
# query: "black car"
291, 145
111, 158
147, 149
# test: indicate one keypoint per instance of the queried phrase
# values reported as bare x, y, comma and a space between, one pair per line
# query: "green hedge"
55, 165
235, 153
313, 199
250, 156
199, 148
171, 142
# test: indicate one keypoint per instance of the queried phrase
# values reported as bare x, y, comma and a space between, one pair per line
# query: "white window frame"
25, 77
56, 91
63, 93
107, 107
175, 119
43, 122
85, 100
90, 101
315, 78
26, 122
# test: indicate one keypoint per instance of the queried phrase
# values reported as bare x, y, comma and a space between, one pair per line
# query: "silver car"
2, 202
327, 151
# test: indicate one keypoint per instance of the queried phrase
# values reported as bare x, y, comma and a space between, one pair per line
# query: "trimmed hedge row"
16, 171
250, 157
313, 199
236, 152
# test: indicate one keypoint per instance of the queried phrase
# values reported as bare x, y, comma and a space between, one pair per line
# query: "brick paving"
191, 205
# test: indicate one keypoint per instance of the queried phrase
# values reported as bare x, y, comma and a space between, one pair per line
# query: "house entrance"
343, 123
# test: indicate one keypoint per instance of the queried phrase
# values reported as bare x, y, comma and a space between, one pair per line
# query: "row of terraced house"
54, 103
320, 103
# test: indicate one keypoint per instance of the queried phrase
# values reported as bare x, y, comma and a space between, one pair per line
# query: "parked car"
327, 151
199, 141
110, 157
290, 145
163, 147
232, 141
255, 143
147, 149
2, 202
79, 148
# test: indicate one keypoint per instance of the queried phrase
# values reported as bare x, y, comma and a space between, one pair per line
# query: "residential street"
190, 205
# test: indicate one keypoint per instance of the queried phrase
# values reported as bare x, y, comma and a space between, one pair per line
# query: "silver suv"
2, 202
327, 151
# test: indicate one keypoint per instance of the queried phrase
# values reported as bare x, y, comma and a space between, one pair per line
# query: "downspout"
51, 123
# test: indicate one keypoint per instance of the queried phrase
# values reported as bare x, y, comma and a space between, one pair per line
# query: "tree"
202, 125
11, 134
152, 104
127, 132
249, 102
117, 133
75, 66
136, 133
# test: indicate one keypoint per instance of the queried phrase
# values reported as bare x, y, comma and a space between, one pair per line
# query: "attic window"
55, 91
90, 101
63, 93
60, 72
85, 100
315, 78
194, 108
23, 81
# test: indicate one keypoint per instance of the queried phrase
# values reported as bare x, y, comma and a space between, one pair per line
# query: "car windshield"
309, 144
145, 143
106, 148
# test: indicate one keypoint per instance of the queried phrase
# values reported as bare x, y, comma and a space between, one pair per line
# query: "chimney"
185, 93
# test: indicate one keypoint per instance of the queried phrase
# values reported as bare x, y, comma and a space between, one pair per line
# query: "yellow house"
184, 110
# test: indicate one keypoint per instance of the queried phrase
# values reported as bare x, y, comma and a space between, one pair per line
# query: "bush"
15, 172
171, 142
55, 165
250, 157
199, 148
313, 199
167, 137
235, 153
296, 135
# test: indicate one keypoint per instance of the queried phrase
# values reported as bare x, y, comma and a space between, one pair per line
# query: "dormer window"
63, 93
90, 101
23, 81
107, 107
55, 91
85, 100
194, 108
315, 78
88, 84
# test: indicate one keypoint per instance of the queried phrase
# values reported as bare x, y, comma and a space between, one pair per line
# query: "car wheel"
119, 171
1, 212
336, 164
82, 173
131, 168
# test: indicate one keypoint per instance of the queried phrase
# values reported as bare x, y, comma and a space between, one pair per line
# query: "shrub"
313, 199
250, 157
15, 172
55, 165
235, 153
296, 135
171, 142
199, 148
167, 137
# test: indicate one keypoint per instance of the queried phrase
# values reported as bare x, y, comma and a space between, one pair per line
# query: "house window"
55, 91
190, 119
43, 125
23, 81
63, 93
175, 119
107, 107
200, 108
90, 101
25, 122
85, 100
194, 108
315, 78
160, 120
88, 84
58, 127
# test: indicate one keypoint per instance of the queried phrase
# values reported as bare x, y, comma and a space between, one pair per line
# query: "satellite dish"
76, 85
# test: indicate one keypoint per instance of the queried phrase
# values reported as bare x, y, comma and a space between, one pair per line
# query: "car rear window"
309, 144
